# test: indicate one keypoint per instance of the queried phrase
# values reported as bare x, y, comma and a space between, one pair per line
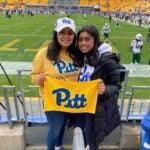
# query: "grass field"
21, 38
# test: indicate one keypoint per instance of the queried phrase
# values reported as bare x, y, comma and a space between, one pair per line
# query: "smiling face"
65, 37
85, 42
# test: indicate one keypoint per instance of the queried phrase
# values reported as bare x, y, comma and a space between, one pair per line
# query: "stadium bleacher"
130, 6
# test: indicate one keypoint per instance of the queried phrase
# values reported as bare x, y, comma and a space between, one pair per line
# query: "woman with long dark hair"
98, 62
57, 61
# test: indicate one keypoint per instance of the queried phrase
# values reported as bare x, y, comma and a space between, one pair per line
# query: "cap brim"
65, 26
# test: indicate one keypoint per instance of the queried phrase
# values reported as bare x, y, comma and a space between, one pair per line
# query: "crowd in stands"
133, 11
132, 6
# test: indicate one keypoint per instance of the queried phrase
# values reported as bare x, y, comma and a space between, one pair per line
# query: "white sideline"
12, 67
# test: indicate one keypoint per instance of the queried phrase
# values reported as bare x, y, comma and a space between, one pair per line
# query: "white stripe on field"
12, 67
39, 35
50, 36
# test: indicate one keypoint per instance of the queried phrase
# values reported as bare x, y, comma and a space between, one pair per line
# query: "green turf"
132, 81
30, 34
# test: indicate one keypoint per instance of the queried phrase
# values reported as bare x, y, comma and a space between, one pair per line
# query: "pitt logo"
66, 21
65, 68
63, 95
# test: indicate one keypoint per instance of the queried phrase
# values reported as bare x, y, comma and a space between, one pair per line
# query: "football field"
26, 34
21, 38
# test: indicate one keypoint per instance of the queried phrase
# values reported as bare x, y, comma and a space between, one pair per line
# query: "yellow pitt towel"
72, 97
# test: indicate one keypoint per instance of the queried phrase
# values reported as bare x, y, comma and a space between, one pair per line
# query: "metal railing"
31, 110
143, 106
27, 109
124, 88
8, 107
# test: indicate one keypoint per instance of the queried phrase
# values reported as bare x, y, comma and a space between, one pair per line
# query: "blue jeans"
56, 123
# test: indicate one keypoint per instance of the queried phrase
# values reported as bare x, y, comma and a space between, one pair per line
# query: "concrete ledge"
128, 137
12, 139
109, 147
29, 147
103, 147
35, 147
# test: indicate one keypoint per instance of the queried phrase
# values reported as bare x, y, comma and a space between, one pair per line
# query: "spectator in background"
140, 21
84, 16
32, 14
145, 132
136, 48
110, 18
8, 14
148, 34
106, 31
117, 23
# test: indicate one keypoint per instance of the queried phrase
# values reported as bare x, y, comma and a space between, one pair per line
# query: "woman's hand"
101, 86
41, 78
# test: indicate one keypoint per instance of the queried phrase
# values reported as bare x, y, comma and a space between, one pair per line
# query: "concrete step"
104, 147
16, 138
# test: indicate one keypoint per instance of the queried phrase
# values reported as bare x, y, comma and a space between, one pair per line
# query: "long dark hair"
93, 55
54, 48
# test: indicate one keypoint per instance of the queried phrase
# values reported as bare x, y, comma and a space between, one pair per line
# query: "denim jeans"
56, 125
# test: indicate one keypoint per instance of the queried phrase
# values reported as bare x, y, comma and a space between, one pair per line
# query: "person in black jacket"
98, 62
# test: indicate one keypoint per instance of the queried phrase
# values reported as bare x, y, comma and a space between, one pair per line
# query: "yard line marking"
37, 49
49, 36
114, 48
8, 45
